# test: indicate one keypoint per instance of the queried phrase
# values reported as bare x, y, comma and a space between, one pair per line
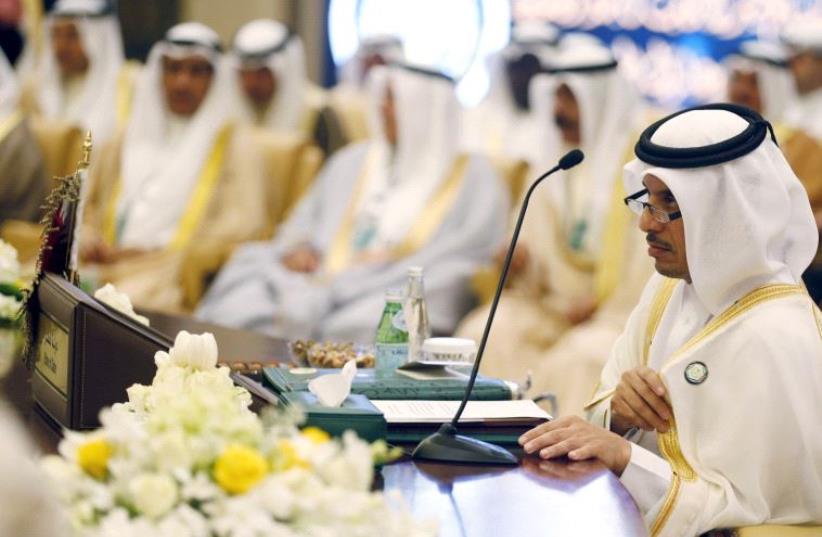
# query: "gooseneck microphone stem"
446, 444
506, 265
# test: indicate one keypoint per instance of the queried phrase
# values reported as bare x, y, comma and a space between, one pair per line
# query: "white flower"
196, 351
353, 468
153, 494
9, 265
9, 307
109, 295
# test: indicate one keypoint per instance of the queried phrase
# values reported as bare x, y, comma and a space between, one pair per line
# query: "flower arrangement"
109, 295
186, 456
11, 291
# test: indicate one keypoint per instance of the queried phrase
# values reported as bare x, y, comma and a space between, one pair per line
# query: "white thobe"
256, 291
745, 449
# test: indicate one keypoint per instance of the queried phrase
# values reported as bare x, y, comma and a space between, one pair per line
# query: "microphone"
446, 444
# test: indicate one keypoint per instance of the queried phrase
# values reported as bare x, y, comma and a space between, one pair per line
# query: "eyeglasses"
639, 207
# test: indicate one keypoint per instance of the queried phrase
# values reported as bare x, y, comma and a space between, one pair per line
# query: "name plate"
52, 355
86, 355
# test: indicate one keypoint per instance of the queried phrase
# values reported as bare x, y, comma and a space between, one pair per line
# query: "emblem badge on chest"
696, 373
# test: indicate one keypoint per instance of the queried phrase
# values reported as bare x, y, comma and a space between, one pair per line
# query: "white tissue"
331, 390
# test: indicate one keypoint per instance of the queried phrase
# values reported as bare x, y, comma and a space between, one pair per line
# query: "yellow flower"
285, 457
93, 457
316, 435
239, 468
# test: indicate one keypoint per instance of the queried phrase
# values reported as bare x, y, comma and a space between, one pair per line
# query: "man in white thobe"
707, 407
81, 78
567, 283
406, 198
181, 180
802, 139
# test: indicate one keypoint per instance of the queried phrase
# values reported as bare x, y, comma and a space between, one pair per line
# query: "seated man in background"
406, 198
349, 98
802, 141
23, 179
566, 280
759, 78
274, 89
181, 177
503, 125
708, 405
81, 77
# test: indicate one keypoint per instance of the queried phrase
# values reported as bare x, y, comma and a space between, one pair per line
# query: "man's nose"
647, 223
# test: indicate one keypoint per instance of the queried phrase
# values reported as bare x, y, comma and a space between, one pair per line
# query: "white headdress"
747, 217
805, 35
388, 46
268, 43
805, 113
99, 31
401, 180
609, 107
497, 124
770, 63
159, 174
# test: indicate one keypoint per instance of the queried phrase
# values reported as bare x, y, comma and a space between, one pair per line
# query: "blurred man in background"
759, 78
274, 90
802, 143
182, 177
81, 77
406, 198
567, 282
502, 125
23, 179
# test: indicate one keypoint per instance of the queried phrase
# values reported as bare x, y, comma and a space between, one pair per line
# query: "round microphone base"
447, 445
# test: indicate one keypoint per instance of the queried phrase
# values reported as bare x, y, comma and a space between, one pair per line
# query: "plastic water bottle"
392, 335
416, 314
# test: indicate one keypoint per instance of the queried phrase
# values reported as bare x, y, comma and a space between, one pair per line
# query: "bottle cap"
415, 271
393, 295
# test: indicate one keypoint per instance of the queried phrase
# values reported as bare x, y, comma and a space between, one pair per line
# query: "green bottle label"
392, 338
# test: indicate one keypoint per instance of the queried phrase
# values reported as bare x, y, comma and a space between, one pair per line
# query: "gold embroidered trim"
667, 506
655, 316
203, 192
815, 310
9, 123
110, 219
339, 254
663, 295
125, 91
597, 399
668, 442
435, 211
752, 299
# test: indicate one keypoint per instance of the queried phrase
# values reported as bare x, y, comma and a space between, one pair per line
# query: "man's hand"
96, 252
581, 310
302, 259
639, 401
579, 440
519, 260
101, 253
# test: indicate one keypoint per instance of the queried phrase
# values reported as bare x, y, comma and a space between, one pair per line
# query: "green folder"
393, 386
356, 413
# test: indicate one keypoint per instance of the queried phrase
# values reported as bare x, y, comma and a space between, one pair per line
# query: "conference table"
534, 498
